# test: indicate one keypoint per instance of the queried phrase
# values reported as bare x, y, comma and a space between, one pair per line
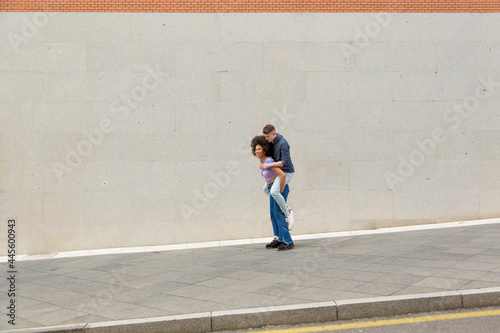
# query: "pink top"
268, 173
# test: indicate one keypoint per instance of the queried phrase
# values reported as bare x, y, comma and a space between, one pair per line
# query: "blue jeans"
280, 227
274, 191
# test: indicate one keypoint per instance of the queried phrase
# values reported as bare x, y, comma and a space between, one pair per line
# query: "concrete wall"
133, 129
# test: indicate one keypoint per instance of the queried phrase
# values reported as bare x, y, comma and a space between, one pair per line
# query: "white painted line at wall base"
174, 247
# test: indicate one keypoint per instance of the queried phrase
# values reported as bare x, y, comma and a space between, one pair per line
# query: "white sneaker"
290, 219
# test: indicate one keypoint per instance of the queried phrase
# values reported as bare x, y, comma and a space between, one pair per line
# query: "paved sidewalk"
154, 284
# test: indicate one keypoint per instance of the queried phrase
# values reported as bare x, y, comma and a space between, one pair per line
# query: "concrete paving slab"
379, 288
340, 284
424, 254
477, 266
248, 286
437, 263
442, 282
418, 290
20, 324
190, 291
302, 280
480, 285
37, 310
420, 271
313, 294
56, 317
459, 274
218, 282
485, 259
490, 276
92, 319
397, 278
121, 293
353, 295
215, 295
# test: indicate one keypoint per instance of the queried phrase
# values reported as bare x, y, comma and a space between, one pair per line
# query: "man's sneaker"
274, 244
285, 246
290, 219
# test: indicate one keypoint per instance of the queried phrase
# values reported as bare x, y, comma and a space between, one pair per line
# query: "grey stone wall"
133, 129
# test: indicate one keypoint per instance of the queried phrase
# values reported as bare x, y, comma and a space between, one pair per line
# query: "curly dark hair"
266, 146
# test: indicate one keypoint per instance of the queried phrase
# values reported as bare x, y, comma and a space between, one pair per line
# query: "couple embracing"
277, 168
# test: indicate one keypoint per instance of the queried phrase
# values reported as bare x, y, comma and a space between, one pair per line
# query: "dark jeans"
280, 227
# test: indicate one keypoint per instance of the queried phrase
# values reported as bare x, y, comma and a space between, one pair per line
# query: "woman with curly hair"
263, 150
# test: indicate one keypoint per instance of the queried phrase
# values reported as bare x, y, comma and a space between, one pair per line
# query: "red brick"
253, 6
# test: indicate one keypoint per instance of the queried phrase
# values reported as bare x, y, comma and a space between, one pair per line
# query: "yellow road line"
387, 322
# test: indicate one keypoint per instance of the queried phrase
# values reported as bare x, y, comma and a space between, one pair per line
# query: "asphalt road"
484, 320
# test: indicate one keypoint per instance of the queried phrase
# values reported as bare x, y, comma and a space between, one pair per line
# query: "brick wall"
456, 6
